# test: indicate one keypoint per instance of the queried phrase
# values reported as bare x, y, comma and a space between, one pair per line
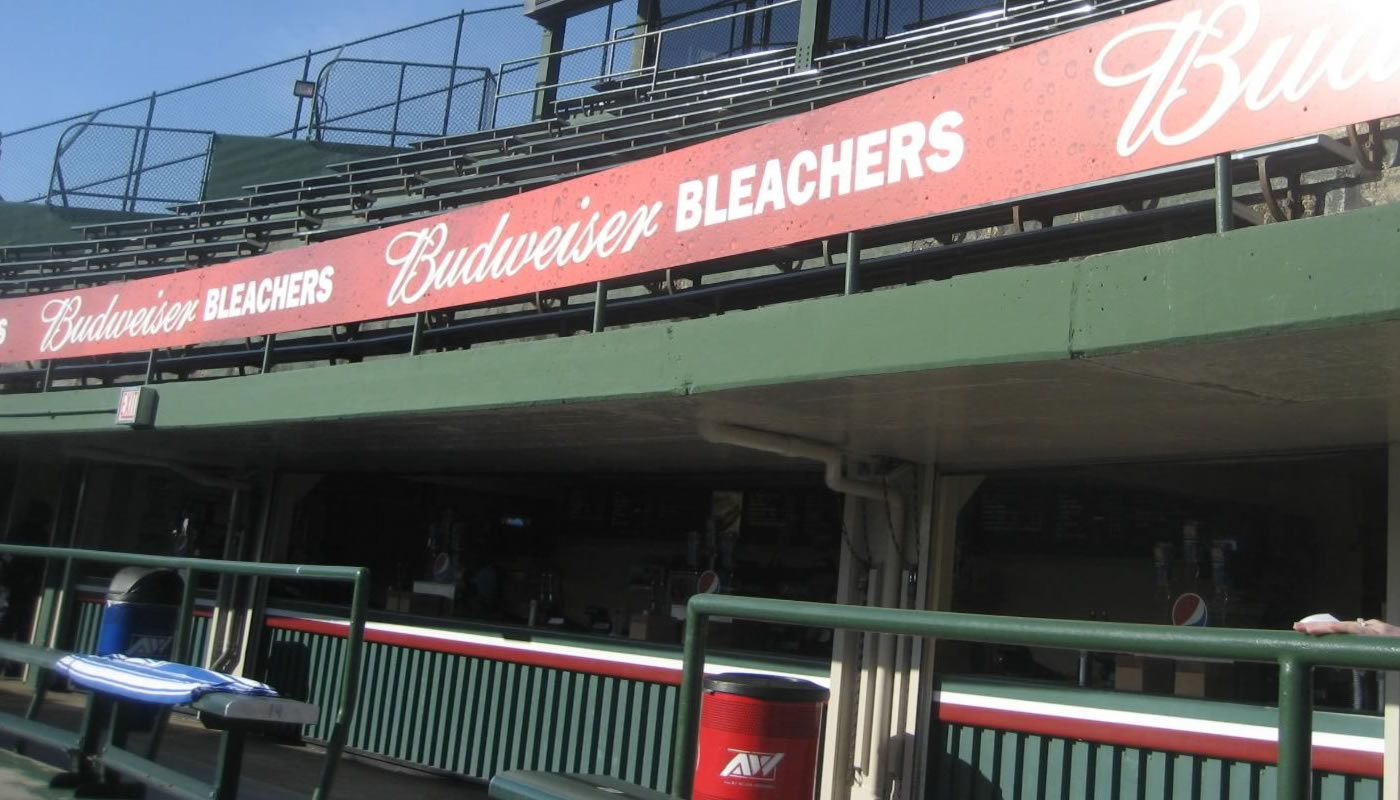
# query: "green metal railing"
1294, 653
358, 577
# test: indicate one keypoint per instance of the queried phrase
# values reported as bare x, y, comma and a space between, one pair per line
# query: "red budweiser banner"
1176, 82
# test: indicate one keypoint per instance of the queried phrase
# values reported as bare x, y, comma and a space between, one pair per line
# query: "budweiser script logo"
68, 325
1201, 58
425, 263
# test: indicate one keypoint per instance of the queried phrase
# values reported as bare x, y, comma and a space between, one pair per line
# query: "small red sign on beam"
136, 406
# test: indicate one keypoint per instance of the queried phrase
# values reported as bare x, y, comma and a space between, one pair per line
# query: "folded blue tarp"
146, 680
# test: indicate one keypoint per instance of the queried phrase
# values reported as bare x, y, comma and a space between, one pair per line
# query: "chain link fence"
393, 103
130, 168
437, 83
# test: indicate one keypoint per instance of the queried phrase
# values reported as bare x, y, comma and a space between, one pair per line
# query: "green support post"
812, 24
688, 710
415, 340
230, 763
852, 262
350, 684
547, 77
1294, 729
1224, 194
600, 306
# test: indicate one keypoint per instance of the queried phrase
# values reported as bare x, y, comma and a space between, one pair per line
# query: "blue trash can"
139, 620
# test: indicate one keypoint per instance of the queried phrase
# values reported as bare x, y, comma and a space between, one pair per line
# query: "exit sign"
136, 407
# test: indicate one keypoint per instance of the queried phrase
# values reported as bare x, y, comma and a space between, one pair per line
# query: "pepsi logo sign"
1190, 609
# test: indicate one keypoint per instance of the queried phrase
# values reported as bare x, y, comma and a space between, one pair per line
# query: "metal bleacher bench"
97, 750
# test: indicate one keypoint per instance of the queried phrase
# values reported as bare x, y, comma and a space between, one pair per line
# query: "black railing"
173, 160
464, 98
28, 167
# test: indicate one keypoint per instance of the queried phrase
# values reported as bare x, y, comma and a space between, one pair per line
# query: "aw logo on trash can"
752, 766
149, 647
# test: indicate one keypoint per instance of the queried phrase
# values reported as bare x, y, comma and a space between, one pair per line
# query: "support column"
1391, 787
941, 501
845, 656
644, 50
872, 715
813, 21
217, 653
250, 655
63, 525
547, 76
950, 494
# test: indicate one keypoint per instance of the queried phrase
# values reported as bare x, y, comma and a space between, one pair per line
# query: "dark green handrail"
1295, 654
355, 635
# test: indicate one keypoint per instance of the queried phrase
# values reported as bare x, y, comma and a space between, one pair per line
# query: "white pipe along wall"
877, 761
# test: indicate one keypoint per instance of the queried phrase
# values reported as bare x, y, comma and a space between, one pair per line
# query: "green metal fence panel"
479, 716
974, 763
1099, 743
968, 760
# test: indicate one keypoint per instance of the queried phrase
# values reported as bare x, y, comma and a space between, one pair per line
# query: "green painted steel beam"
812, 22
29, 653
547, 70
1249, 282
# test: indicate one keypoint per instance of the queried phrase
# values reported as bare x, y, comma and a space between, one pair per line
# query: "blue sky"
62, 57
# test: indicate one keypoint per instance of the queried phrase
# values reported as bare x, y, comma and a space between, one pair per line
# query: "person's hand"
1359, 627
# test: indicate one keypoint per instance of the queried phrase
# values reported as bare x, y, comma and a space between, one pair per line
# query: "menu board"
1014, 516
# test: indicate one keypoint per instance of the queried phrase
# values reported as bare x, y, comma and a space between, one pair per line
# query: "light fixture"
304, 89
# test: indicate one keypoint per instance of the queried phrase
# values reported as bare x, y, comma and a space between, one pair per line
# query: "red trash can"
760, 737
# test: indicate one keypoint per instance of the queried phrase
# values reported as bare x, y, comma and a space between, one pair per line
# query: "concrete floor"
271, 771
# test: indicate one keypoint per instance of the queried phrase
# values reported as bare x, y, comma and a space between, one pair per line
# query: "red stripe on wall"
1330, 759
594, 666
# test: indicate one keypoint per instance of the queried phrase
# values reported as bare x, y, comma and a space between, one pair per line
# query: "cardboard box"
653, 628
398, 601
1139, 674
1201, 679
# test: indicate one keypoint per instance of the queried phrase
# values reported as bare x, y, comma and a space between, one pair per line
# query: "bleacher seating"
639, 117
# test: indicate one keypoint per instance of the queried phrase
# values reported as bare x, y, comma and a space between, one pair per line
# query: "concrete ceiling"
1300, 391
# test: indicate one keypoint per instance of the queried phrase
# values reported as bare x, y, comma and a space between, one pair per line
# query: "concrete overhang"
1279, 338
